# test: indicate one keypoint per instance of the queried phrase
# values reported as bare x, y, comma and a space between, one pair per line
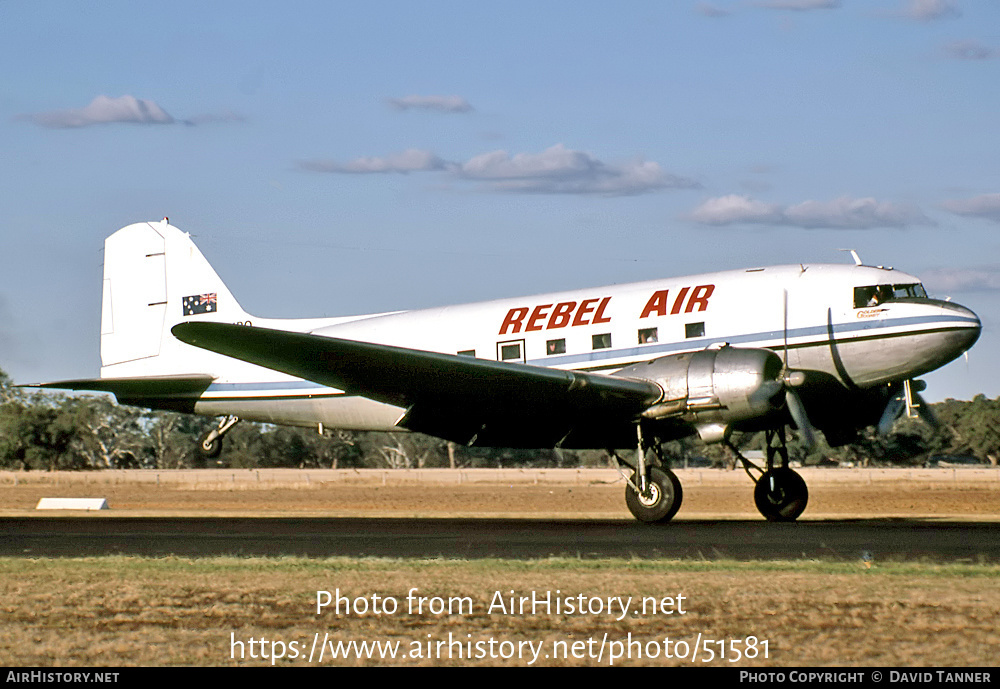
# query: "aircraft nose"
970, 327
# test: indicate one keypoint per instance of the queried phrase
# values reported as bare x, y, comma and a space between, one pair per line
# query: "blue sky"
336, 158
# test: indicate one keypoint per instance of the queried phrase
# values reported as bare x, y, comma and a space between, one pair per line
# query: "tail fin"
154, 278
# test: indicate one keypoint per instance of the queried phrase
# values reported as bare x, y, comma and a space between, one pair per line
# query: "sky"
334, 158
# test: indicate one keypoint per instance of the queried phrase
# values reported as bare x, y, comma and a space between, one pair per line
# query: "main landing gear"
653, 493
780, 493
210, 443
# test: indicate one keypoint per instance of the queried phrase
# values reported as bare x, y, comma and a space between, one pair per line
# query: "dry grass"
118, 611
133, 611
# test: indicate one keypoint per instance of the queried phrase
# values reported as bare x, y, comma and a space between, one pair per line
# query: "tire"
781, 495
663, 498
209, 449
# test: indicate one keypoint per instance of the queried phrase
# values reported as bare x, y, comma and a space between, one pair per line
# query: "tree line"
42, 431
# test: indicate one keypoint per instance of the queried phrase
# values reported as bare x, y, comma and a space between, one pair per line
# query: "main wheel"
661, 500
781, 495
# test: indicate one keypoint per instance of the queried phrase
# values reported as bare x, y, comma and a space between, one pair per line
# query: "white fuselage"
808, 311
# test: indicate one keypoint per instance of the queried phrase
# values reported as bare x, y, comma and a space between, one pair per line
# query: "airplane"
833, 347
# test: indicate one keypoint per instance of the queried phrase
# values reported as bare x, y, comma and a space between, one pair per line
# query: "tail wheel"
661, 500
781, 495
210, 443
210, 447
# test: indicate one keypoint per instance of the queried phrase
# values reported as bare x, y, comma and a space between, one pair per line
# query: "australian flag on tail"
200, 303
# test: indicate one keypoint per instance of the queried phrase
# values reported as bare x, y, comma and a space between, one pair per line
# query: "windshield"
873, 295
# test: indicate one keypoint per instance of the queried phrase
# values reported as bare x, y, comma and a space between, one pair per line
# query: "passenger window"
602, 341
694, 330
647, 335
510, 351
555, 346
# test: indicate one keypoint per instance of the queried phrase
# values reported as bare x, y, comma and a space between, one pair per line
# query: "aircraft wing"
455, 397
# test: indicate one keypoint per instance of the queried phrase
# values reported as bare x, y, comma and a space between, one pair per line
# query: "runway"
839, 540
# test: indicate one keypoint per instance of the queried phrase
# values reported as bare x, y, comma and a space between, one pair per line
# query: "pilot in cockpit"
880, 293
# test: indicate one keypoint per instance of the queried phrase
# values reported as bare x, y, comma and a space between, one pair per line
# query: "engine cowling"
714, 388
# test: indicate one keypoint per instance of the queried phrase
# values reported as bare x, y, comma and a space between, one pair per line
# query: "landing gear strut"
653, 493
780, 493
210, 443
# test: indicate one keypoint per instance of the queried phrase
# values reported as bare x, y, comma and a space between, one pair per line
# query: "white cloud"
970, 50
215, 118
104, 110
410, 160
841, 213
726, 210
559, 170
851, 213
799, 5
440, 103
707, 9
556, 161
930, 10
121, 110
950, 280
986, 206
556, 170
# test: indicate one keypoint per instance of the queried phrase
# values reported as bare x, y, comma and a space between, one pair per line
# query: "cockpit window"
903, 291
873, 295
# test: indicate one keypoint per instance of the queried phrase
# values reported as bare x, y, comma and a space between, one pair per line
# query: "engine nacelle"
714, 388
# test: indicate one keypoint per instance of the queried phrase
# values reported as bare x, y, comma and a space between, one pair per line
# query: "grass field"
132, 611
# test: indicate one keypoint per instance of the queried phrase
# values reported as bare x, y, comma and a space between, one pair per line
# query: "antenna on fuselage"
857, 259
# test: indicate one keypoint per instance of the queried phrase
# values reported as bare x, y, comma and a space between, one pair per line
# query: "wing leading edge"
459, 398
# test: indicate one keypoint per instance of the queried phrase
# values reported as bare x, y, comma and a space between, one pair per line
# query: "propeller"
908, 400
791, 380
893, 410
798, 412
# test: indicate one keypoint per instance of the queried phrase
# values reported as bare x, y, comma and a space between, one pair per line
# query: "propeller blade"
784, 310
798, 412
898, 405
925, 412
893, 410
791, 380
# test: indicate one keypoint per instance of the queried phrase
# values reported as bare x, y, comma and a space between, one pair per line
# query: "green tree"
34, 435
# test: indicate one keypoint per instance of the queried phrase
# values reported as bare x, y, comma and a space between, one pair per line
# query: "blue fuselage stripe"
820, 332
648, 351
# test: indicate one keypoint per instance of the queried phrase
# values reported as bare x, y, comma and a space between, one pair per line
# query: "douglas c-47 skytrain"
811, 346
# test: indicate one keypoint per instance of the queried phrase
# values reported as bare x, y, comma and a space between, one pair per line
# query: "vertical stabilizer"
155, 277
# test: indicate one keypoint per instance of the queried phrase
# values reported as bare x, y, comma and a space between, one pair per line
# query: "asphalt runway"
845, 539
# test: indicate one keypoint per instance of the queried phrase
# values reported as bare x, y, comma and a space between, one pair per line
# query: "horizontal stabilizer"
175, 392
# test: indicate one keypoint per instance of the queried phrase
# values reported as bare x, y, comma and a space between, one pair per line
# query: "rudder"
154, 278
